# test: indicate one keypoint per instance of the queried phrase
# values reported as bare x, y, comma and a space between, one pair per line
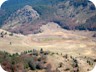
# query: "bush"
32, 65
23, 61
94, 35
35, 52
41, 51
40, 65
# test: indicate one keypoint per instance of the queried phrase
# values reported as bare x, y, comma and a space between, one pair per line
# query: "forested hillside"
69, 14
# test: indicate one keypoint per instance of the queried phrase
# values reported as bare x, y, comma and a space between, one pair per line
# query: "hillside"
47, 35
77, 45
69, 14
51, 36
20, 20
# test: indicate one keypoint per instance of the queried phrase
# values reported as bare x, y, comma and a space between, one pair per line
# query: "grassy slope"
58, 41
74, 43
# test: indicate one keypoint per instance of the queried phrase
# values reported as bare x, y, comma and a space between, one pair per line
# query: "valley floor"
78, 44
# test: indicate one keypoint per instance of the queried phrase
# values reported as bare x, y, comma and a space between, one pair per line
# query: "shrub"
11, 34
94, 60
23, 61
94, 35
39, 65
60, 65
35, 52
32, 65
41, 51
65, 56
67, 69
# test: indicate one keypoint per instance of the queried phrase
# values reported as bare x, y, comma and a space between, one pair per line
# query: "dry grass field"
78, 44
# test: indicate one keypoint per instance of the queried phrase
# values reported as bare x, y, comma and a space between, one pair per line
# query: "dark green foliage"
42, 6
11, 34
41, 51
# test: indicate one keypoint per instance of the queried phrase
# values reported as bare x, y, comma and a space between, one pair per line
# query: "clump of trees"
4, 33
90, 62
27, 60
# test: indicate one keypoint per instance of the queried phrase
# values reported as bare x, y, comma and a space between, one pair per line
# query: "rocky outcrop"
69, 14
25, 15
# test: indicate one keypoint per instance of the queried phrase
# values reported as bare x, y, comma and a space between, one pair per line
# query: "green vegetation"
42, 6
27, 60
56, 11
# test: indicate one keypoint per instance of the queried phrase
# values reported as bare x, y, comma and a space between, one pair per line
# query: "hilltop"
31, 15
